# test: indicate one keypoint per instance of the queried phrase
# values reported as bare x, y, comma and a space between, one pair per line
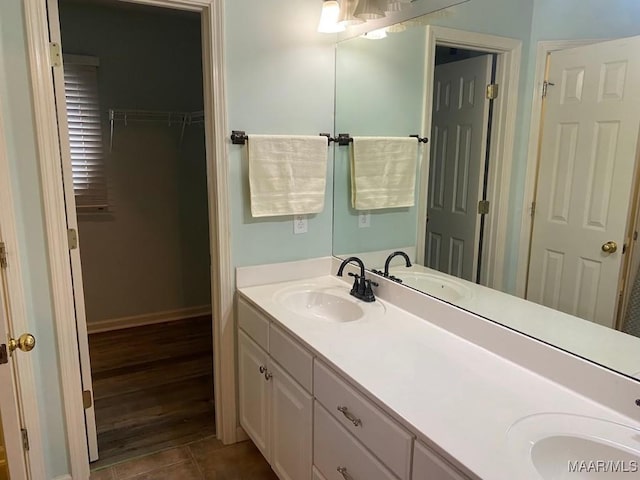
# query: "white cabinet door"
291, 420
254, 392
429, 466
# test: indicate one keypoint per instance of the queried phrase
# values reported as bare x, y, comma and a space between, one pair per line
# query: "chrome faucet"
385, 274
361, 288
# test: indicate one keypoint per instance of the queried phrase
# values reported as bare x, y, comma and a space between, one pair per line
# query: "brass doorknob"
609, 247
25, 342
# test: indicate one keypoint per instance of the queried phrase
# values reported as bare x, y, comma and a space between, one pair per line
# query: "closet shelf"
181, 119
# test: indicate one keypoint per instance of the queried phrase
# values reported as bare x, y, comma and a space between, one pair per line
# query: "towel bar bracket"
344, 139
238, 137
329, 137
420, 139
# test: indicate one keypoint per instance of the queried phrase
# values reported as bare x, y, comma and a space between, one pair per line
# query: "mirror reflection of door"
586, 170
457, 172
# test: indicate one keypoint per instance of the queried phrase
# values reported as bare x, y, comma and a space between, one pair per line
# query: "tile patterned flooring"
206, 459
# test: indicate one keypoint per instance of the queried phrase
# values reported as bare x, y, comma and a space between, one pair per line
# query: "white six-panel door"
586, 172
458, 154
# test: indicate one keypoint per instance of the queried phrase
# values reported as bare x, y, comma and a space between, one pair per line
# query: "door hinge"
545, 87
533, 208
483, 207
72, 234
3, 255
4, 356
492, 91
25, 439
55, 53
87, 399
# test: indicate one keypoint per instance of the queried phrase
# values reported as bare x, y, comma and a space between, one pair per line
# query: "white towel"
287, 174
383, 172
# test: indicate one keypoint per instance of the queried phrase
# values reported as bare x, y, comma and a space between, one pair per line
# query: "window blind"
85, 132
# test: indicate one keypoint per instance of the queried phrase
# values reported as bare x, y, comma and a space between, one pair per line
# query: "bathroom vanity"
334, 388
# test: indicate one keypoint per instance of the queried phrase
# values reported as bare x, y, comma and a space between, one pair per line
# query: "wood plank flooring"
153, 388
205, 459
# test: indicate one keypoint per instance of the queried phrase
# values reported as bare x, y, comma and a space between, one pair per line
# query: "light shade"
370, 9
347, 9
329, 17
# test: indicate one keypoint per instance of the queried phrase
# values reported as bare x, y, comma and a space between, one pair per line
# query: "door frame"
17, 317
222, 289
544, 48
509, 52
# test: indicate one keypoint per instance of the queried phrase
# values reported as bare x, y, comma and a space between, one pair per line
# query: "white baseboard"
147, 319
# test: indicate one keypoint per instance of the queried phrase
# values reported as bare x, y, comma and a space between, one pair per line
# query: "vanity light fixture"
347, 10
370, 9
329, 17
338, 14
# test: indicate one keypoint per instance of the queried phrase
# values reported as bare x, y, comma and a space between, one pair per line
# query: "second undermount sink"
332, 304
562, 446
437, 285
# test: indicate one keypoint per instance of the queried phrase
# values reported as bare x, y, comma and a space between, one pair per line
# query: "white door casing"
9, 408
47, 140
456, 170
586, 170
72, 224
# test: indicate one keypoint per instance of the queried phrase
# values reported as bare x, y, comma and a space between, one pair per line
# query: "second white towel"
287, 174
383, 172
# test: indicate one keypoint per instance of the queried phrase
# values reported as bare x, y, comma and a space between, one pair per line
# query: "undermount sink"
331, 304
433, 284
562, 446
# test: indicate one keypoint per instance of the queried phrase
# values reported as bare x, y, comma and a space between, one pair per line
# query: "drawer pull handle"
344, 473
350, 416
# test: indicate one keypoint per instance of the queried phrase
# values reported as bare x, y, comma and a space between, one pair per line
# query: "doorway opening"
462, 110
502, 67
135, 175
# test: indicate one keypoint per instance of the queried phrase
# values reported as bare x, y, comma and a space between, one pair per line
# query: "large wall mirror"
525, 210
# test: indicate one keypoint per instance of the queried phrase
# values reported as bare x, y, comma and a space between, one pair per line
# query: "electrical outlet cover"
299, 224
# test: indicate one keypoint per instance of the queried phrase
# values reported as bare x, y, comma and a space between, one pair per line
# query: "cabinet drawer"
427, 465
384, 437
334, 448
253, 323
292, 356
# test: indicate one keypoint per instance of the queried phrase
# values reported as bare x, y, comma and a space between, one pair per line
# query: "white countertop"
453, 395
606, 346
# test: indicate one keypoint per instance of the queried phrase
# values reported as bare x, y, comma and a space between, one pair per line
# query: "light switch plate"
364, 219
299, 224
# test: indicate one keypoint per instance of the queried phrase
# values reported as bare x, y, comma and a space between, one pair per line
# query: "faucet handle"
356, 282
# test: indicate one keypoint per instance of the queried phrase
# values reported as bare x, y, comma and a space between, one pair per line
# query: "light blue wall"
558, 20
379, 92
19, 134
280, 80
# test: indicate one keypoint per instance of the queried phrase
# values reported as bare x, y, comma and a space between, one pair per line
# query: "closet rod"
153, 116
